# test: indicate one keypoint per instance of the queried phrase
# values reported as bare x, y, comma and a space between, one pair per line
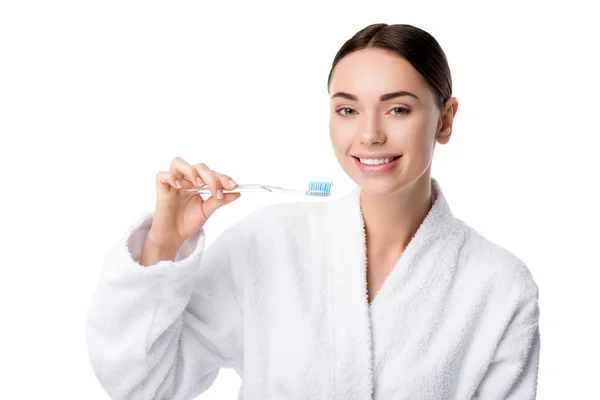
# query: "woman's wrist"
153, 252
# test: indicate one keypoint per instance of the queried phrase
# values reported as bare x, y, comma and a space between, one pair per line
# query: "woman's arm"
163, 331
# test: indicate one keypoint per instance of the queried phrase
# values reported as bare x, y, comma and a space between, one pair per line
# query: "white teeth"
372, 161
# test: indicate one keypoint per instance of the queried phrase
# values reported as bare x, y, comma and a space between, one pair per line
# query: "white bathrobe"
281, 297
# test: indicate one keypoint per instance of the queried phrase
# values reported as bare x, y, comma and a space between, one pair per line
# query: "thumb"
212, 204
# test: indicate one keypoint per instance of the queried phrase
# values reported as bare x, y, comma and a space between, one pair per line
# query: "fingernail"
177, 184
219, 194
200, 183
232, 182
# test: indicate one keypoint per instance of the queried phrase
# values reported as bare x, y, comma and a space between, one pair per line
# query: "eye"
344, 108
406, 110
340, 111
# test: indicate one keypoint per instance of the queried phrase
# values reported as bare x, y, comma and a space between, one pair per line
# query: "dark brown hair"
415, 45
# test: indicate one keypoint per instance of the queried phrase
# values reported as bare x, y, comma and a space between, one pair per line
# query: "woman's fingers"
167, 177
227, 182
211, 179
185, 174
182, 175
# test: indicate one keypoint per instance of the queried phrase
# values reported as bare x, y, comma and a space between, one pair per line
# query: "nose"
372, 132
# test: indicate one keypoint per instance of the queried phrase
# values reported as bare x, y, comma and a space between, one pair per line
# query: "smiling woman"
380, 294
391, 103
400, 106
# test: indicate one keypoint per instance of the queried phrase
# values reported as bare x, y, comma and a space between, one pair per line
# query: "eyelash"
406, 110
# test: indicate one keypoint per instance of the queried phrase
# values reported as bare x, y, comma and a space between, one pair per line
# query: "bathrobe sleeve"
513, 371
164, 331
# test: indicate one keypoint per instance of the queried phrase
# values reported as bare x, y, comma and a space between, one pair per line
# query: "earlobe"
444, 135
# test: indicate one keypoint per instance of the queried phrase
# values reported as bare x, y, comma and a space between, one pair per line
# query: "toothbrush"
315, 188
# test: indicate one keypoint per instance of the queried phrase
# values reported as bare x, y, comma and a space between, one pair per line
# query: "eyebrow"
383, 97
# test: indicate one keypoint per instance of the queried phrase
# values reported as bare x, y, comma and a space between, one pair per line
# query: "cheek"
418, 142
338, 138
341, 146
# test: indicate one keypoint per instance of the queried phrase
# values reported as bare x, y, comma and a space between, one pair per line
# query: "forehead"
371, 72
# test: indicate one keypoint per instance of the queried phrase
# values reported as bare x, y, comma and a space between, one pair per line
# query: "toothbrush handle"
244, 188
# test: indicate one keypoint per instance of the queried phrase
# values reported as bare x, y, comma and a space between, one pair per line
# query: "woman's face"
403, 126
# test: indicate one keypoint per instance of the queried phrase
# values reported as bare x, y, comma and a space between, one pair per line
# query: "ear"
446, 120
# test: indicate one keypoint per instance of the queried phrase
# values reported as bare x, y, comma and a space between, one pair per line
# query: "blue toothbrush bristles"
319, 188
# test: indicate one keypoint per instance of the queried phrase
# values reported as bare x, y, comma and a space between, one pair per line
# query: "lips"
376, 169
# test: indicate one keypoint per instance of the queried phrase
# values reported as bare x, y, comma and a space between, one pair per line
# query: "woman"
380, 294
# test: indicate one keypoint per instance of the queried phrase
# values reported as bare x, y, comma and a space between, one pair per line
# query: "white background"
97, 96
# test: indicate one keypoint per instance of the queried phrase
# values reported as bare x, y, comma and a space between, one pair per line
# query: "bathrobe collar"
351, 312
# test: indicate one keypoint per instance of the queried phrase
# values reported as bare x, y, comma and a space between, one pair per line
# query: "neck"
391, 221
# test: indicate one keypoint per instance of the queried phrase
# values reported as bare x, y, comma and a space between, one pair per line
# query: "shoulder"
498, 266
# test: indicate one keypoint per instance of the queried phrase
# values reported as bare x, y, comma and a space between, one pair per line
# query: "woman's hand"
178, 217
